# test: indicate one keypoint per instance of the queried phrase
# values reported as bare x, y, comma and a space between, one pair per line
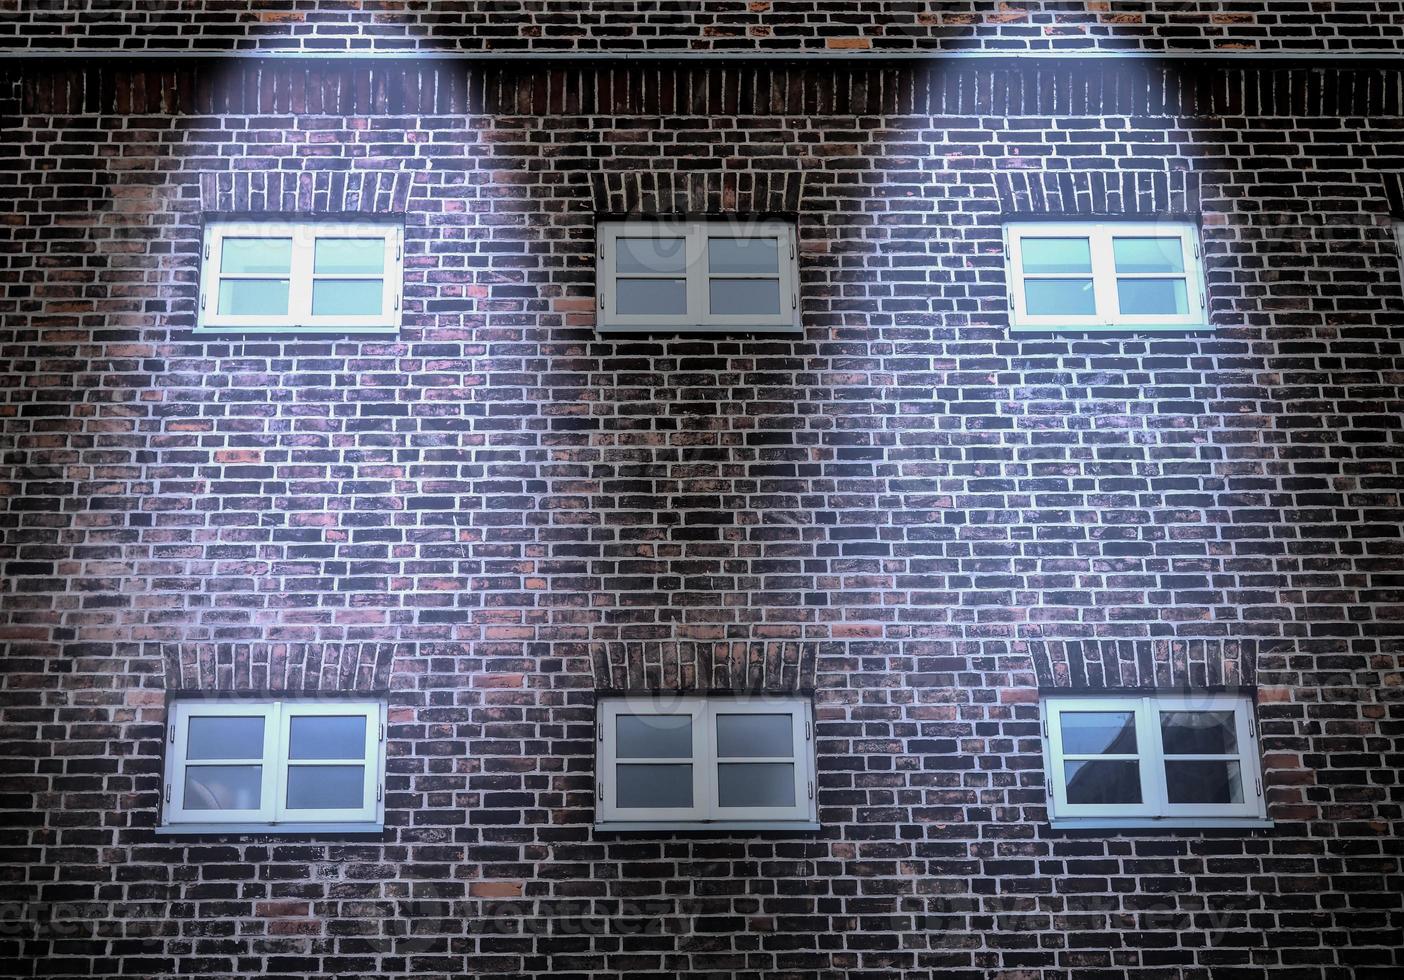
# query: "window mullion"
1104, 274
704, 780
1152, 756
300, 289
697, 281
276, 758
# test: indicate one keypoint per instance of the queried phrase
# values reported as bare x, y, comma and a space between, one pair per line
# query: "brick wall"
908, 509
707, 25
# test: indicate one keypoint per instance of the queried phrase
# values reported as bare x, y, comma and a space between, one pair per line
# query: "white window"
1104, 275
295, 766
715, 276
673, 762
306, 277
1159, 760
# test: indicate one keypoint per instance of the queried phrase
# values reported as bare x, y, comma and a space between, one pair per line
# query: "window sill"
227, 829
293, 330
660, 327
723, 825
1122, 328
1161, 823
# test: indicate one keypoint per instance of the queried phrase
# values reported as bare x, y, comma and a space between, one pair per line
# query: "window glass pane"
220, 737
223, 787
264, 256
753, 255
1098, 732
253, 297
1059, 297
1148, 254
651, 297
745, 297
346, 297
1198, 733
653, 737
1147, 297
666, 785
349, 256
326, 787
659, 255
1203, 781
1047, 256
756, 784
750, 736
1103, 781
327, 737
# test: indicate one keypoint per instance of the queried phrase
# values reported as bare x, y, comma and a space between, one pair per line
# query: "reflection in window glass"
1148, 254
224, 737
662, 785
756, 784
1059, 297
1203, 781
1098, 732
1103, 781
223, 787
1050, 256
653, 737
1198, 732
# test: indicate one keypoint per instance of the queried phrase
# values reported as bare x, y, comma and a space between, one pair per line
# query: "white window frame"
706, 812
697, 318
1155, 810
299, 317
272, 815
1104, 276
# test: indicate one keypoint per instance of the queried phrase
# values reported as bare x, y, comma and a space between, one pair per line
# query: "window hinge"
794, 301
602, 250
811, 789
808, 730
1252, 727
397, 301
202, 301
599, 730
207, 250
382, 731
1196, 248
380, 792
1201, 300
1259, 781
792, 250
1045, 727
599, 790
601, 300
399, 252
172, 734
168, 792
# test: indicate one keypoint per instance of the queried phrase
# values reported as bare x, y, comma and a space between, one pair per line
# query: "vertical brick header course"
355, 192
1141, 89
724, 665
1162, 194
673, 193
1189, 664
220, 668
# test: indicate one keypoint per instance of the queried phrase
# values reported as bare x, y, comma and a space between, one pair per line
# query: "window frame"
1107, 317
698, 276
299, 317
1155, 809
273, 816
706, 813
